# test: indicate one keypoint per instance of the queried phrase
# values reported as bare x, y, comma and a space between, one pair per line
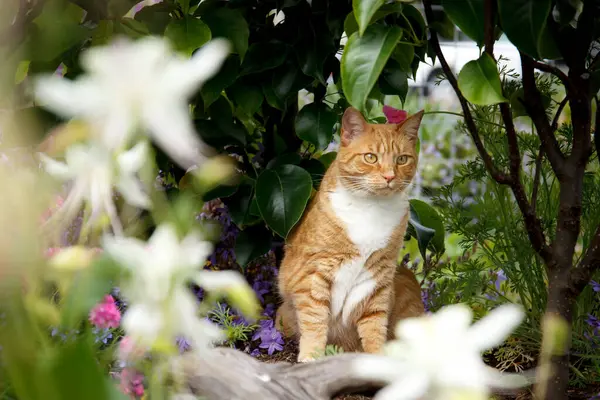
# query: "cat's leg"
312, 314
285, 320
373, 321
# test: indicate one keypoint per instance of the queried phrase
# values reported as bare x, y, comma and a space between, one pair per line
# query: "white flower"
137, 84
161, 305
94, 172
440, 354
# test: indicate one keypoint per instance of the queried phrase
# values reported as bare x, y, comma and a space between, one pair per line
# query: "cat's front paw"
305, 359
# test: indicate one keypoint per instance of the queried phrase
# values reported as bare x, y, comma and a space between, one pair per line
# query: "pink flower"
394, 116
48, 213
132, 382
106, 314
51, 251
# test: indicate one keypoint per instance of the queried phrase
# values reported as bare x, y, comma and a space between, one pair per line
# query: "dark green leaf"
251, 243
427, 227
567, 9
239, 203
442, 24
156, 17
479, 82
364, 11
211, 90
415, 17
272, 99
219, 192
314, 124
282, 195
404, 55
219, 136
350, 24
247, 97
187, 34
468, 16
264, 56
364, 59
56, 30
88, 288
316, 169
230, 24
524, 22
328, 158
394, 81
284, 79
283, 159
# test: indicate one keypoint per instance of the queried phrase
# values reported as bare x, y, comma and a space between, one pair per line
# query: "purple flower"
271, 340
595, 286
500, 277
269, 310
182, 344
593, 321
255, 353
261, 288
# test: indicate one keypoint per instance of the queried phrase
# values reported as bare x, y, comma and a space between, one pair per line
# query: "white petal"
379, 368
412, 387
133, 192
220, 280
194, 250
494, 328
56, 168
187, 76
132, 160
172, 130
500, 380
116, 126
164, 240
454, 319
143, 322
129, 252
65, 97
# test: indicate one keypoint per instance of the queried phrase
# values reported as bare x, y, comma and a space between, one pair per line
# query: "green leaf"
404, 55
156, 17
187, 34
56, 30
394, 81
217, 136
283, 159
282, 195
211, 90
88, 288
364, 11
479, 82
468, 16
76, 373
427, 227
264, 56
524, 22
230, 24
316, 169
251, 243
284, 79
246, 96
328, 158
350, 24
219, 192
239, 204
364, 59
314, 123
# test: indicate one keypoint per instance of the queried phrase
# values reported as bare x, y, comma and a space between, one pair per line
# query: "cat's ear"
353, 125
410, 126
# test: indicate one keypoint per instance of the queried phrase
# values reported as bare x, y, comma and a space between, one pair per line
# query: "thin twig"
554, 71
559, 110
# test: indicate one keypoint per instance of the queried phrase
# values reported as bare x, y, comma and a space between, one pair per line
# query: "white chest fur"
369, 223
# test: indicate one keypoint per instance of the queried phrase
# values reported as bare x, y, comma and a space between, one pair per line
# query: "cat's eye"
370, 158
401, 160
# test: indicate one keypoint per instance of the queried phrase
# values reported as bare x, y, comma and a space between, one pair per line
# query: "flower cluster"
106, 314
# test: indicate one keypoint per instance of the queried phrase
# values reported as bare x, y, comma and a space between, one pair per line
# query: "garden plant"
156, 155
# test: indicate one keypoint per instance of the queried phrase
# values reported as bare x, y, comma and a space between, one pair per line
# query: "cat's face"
377, 159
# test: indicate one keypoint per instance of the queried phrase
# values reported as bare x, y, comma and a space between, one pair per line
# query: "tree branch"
588, 265
554, 71
496, 174
535, 109
559, 111
537, 177
490, 24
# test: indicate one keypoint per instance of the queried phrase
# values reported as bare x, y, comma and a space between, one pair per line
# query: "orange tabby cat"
338, 279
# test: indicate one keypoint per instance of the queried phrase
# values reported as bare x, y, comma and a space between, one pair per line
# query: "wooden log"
224, 373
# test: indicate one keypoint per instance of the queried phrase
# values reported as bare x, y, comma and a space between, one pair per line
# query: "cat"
339, 279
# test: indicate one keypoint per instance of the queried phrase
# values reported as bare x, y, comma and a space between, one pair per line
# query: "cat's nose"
388, 177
